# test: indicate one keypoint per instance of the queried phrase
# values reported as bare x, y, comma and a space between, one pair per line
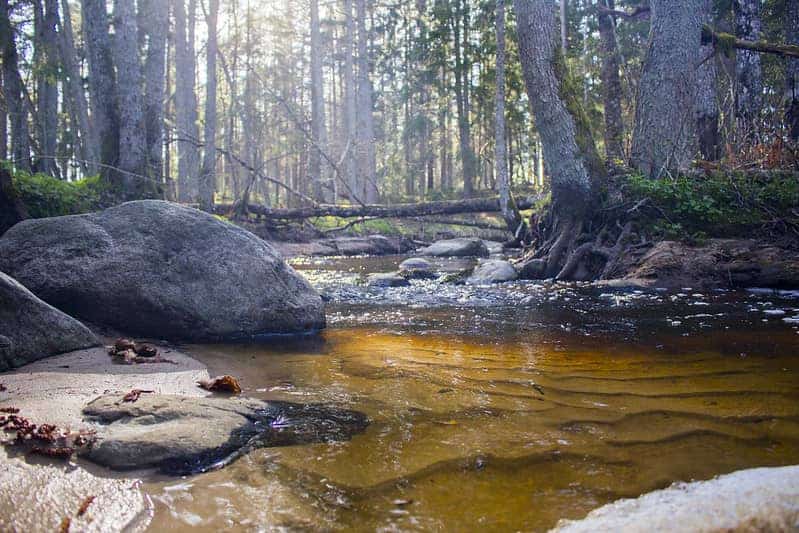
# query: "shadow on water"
503, 407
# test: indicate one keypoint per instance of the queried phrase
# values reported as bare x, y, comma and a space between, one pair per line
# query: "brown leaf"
133, 395
9, 410
123, 344
145, 350
221, 384
85, 505
3, 388
61, 452
65, 523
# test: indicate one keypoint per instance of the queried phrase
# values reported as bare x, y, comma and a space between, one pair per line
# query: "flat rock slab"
161, 270
461, 247
180, 435
31, 329
758, 499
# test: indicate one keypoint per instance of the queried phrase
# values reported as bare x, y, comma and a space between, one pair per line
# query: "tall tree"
132, 137
350, 112
792, 70
665, 125
208, 174
509, 211
185, 105
3, 121
88, 143
748, 72
46, 52
367, 163
155, 14
574, 165
15, 97
460, 33
707, 107
102, 83
317, 168
611, 83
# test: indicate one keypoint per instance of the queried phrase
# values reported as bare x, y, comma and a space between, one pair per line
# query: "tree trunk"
574, 165
208, 174
611, 85
509, 211
16, 103
366, 135
748, 72
102, 84
156, 18
3, 119
317, 167
185, 107
707, 107
792, 71
46, 53
132, 137
87, 141
12, 209
665, 124
461, 97
350, 119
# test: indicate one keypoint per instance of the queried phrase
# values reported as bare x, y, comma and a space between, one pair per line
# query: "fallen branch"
727, 42
474, 205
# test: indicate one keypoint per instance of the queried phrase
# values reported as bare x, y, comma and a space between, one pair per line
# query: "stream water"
506, 407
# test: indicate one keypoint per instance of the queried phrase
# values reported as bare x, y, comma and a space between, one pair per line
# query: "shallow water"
504, 407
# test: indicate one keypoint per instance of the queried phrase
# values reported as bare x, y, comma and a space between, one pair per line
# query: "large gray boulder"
493, 271
158, 269
30, 329
461, 247
182, 434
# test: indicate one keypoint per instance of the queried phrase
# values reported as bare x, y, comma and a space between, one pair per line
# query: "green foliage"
45, 196
718, 205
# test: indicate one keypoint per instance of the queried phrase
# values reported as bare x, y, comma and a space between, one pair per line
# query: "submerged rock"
158, 269
30, 329
461, 247
181, 434
416, 263
758, 499
493, 271
389, 279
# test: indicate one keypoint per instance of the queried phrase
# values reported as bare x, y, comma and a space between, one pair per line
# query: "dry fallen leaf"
221, 384
134, 394
85, 505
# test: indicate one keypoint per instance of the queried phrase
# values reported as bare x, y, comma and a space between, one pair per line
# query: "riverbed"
503, 407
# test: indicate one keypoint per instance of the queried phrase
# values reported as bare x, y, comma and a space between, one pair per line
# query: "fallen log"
449, 207
726, 42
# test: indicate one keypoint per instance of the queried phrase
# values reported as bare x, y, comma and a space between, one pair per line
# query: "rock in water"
162, 270
31, 329
493, 271
389, 279
182, 434
462, 247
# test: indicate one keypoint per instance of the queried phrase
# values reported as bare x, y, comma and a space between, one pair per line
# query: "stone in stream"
461, 247
417, 268
493, 271
30, 329
162, 270
388, 279
183, 434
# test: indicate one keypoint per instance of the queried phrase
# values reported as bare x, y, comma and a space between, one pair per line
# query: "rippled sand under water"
504, 416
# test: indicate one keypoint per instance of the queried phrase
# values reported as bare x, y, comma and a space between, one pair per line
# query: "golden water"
506, 431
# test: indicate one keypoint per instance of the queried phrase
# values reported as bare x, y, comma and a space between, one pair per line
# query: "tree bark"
185, 107
509, 210
132, 137
367, 162
18, 109
102, 84
574, 165
156, 19
707, 107
665, 124
350, 110
317, 167
461, 96
748, 72
12, 209
208, 174
611, 85
47, 89
87, 141
3, 120
792, 71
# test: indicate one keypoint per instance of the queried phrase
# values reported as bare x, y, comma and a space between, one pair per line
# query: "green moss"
45, 196
718, 205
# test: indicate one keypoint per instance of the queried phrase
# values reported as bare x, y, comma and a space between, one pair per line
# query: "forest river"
506, 407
